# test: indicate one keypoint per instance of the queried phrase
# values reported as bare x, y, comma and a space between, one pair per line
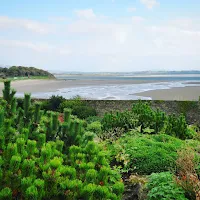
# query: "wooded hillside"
20, 71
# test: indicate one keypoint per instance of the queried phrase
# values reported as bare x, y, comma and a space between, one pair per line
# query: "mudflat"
34, 86
53, 85
179, 94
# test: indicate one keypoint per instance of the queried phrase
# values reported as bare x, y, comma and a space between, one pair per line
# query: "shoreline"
188, 93
52, 85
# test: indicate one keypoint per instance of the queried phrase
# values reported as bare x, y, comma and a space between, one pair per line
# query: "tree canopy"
20, 71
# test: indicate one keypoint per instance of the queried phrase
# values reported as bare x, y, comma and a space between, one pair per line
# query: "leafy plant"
126, 120
84, 112
187, 172
145, 154
71, 103
162, 186
43, 158
149, 121
53, 103
95, 127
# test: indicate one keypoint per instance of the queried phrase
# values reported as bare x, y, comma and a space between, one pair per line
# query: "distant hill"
20, 71
134, 73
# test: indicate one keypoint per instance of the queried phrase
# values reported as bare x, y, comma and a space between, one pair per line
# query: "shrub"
177, 126
162, 186
95, 127
149, 121
188, 173
71, 103
53, 103
146, 154
83, 112
148, 118
42, 158
6, 194
126, 120
112, 134
93, 119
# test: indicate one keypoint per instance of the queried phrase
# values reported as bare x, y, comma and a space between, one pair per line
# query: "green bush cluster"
126, 120
44, 158
78, 106
146, 154
84, 112
95, 127
53, 103
149, 121
162, 186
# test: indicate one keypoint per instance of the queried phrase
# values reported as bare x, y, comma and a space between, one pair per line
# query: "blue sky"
101, 35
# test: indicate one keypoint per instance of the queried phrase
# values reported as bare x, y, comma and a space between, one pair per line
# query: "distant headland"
17, 72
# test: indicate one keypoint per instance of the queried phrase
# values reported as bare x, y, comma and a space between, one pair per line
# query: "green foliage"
71, 103
53, 103
177, 126
185, 106
44, 158
19, 71
84, 112
78, 107
148, 120
126, 120
6, 194
146, 154
93, 119
162, 186
95, 127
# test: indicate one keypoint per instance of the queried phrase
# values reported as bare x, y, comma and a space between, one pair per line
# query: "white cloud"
149, 3
58, 19
38, 47
86, 14
34, 26
132, 9
103, 44
137, 19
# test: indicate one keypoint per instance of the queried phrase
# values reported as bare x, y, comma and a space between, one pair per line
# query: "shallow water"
115, 91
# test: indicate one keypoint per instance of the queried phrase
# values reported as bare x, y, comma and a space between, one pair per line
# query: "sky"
101, 35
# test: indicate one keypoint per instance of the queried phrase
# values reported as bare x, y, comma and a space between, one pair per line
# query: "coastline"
52, 85
188, 93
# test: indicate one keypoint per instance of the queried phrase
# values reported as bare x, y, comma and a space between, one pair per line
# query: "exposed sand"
53, 85
178, 94
31, 86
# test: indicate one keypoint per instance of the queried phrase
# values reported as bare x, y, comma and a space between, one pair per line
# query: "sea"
120, 91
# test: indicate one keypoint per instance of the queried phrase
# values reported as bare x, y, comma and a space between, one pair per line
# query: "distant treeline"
20, 71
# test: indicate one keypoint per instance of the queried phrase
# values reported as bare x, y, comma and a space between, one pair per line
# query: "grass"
26, 78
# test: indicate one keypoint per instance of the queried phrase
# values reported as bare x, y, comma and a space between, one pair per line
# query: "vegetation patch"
20, 71
44, 158
146, 154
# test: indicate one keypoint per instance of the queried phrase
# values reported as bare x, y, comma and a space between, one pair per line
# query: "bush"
162, 186
53, 103
146, 154
149, 121
83, 112
125, 120
44, 158
112, 134
93, 119
95, 127
187, 172
71, 104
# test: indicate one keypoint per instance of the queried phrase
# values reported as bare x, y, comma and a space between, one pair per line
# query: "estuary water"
119, 91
